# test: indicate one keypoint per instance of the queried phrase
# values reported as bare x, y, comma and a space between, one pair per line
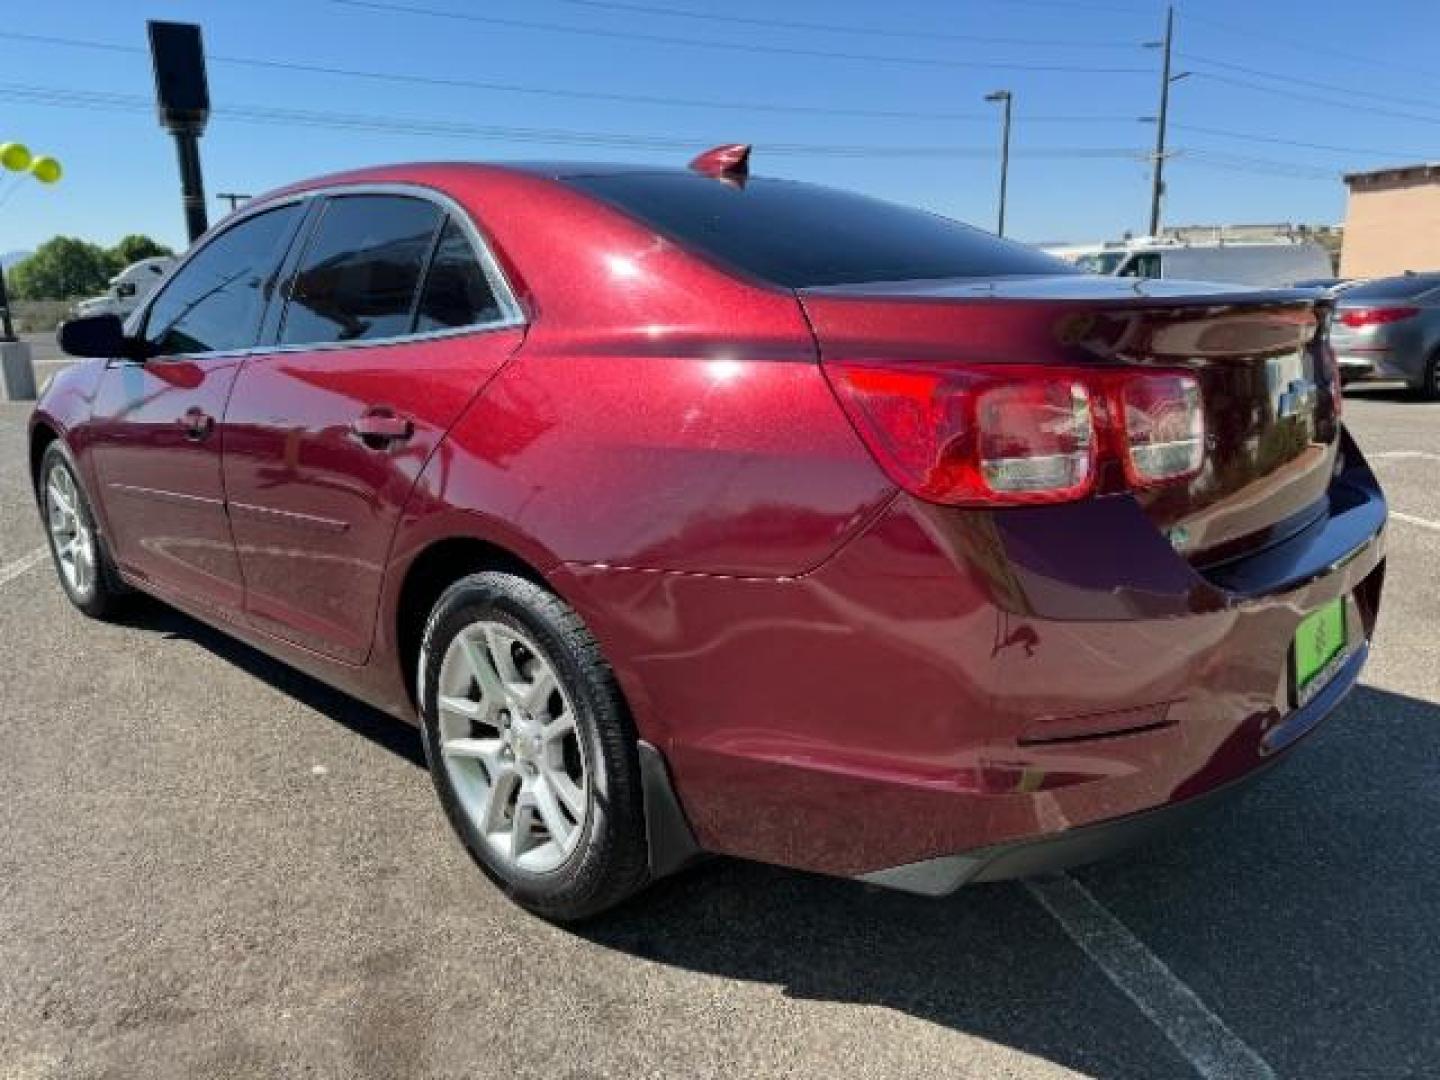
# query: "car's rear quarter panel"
661, 418
876, 711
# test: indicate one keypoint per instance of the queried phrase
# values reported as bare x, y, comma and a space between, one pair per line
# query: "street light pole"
1009, 99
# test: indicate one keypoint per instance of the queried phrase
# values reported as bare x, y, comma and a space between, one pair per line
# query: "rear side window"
213, 303
361, 272
799, 235
1396, 288
457, 292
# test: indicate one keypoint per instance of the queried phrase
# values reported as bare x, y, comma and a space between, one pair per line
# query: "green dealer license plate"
1319, 644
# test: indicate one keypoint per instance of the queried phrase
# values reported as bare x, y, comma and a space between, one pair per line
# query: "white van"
127, 288
1250, 262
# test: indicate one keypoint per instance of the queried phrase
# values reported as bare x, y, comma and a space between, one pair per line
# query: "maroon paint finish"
314, 502
875, 712
840, 677
156, 457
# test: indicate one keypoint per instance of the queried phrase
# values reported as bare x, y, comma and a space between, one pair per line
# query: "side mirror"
95, 335
125, 289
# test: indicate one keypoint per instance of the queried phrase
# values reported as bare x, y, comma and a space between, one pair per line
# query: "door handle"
196, 423
378, 428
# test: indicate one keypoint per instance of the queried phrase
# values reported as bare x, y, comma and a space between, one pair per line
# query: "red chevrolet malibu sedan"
688, 511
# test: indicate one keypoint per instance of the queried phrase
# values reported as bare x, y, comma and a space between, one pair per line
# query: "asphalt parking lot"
211, 867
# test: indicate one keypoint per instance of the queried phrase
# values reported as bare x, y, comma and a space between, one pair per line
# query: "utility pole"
1157, 184
233, 198
1009, 99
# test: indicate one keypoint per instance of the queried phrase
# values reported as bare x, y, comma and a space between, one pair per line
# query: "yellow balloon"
15, 156
46, 169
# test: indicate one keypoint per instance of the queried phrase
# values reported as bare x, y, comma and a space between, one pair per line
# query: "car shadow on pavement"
1302, 913
385, 731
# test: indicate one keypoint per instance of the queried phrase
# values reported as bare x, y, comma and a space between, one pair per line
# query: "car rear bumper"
1380, 363
955, 684
1088, 843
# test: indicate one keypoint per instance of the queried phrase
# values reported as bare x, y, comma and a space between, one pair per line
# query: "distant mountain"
10, 258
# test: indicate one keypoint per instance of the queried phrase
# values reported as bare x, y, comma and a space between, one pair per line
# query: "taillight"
1359, 318
1164, 427
1035, 437
1014, 434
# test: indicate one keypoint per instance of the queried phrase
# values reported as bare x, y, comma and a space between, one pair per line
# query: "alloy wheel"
70, 535
511, 748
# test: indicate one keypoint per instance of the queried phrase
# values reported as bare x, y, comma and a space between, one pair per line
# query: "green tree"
63, 268
133, 248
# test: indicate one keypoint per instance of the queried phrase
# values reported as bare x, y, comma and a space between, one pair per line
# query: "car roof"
429, 172
550, 170
565, 170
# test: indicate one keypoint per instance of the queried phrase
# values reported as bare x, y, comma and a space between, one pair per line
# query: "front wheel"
530, 747
76, 546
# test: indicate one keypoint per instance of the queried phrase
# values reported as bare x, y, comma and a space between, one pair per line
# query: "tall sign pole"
182, 99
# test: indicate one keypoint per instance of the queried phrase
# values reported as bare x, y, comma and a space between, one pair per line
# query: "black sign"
182, 93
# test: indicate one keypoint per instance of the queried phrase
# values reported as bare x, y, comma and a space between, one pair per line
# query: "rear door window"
360, 276
457, 293
214, 302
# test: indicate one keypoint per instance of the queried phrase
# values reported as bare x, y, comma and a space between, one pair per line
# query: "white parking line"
10, 571
1404, 455
1213, 1050
1411, 519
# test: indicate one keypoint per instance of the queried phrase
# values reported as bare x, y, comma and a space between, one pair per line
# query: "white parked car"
1247, 262
128, 288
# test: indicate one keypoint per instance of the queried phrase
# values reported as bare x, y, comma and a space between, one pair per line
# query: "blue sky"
1362, 87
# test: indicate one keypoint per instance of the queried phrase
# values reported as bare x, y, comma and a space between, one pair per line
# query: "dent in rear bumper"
1087, 843
870, 714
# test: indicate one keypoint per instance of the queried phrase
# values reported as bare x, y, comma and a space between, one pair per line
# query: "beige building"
1392, 222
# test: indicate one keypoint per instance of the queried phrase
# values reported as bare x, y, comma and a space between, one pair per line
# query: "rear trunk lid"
1270, 397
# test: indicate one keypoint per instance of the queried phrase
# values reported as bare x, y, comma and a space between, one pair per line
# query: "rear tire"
1428, 389
77, 547
530, 747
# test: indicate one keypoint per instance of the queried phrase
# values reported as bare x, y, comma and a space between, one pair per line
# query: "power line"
77, 43
1373, 110
1310, 48
1424, 103
747, 47
62, 97
1263, 166
448, 83
1328, 147
835, 28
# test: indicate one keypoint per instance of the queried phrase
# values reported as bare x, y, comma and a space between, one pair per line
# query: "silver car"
1389, 328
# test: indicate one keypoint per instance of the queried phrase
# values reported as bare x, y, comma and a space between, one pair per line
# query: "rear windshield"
1396, 288
799, 235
